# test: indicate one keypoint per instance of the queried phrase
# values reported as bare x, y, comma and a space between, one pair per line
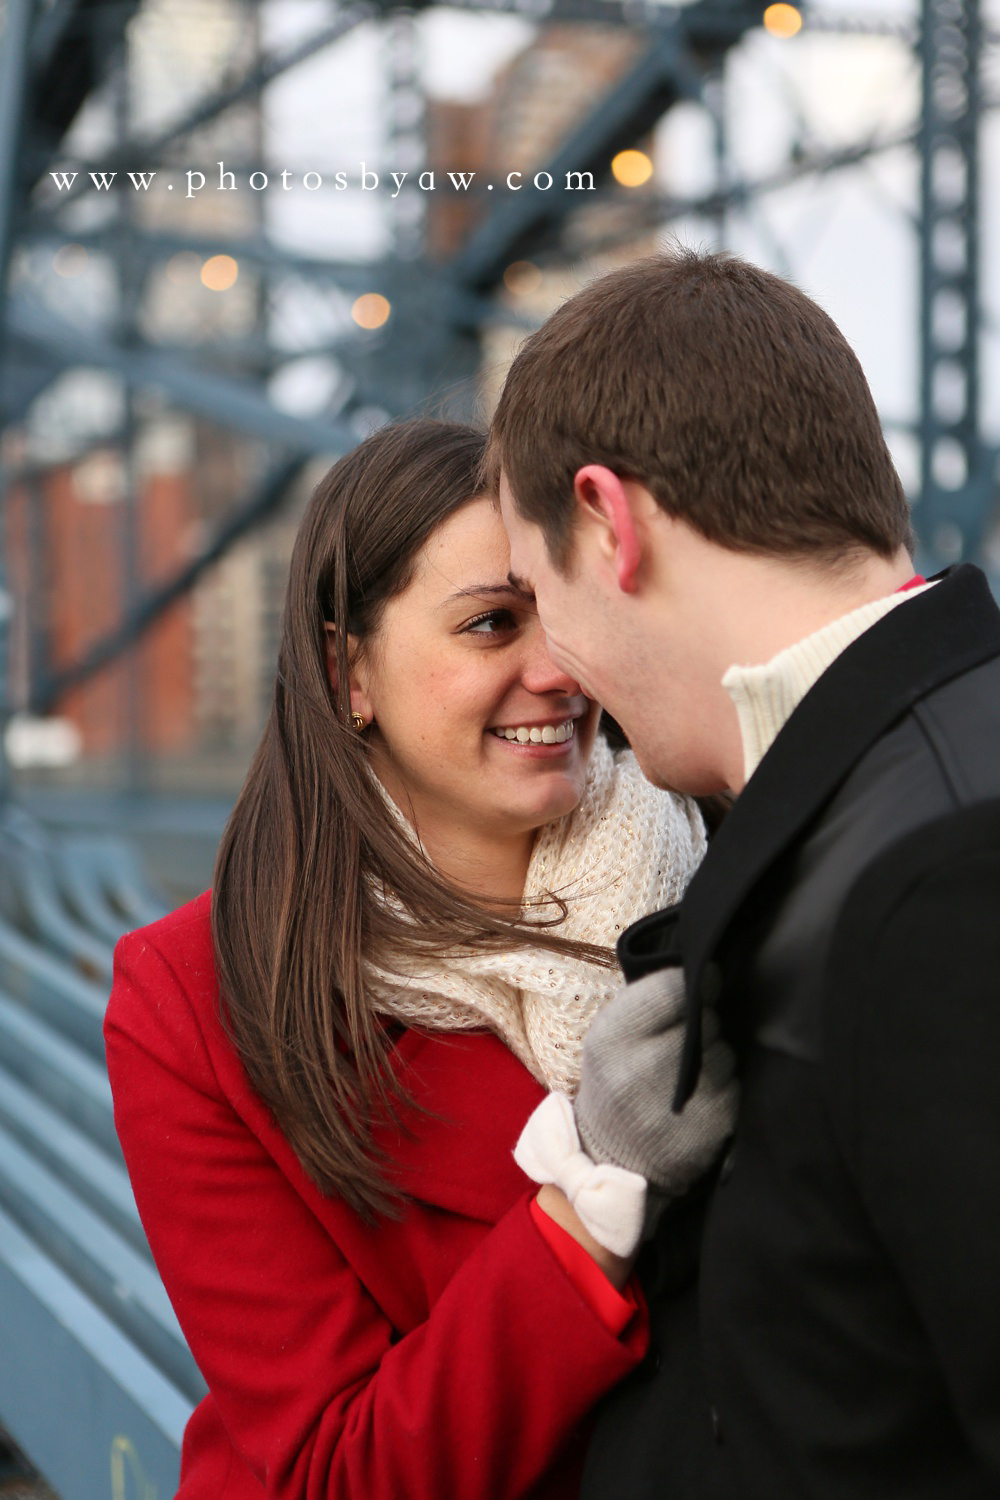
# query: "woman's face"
475, 731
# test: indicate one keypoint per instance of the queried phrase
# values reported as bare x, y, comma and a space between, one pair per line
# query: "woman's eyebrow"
491, 590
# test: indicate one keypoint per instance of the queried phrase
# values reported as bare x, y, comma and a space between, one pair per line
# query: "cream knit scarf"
625, 850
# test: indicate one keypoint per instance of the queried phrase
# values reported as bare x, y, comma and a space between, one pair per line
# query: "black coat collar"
899, 660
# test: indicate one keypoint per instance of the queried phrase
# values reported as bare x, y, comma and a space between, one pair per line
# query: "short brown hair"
725, 390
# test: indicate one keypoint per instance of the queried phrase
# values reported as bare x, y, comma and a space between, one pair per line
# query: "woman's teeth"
539, 734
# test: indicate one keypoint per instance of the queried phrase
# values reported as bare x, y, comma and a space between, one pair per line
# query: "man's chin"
674, 775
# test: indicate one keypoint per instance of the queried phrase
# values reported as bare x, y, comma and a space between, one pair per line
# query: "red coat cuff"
615, 1309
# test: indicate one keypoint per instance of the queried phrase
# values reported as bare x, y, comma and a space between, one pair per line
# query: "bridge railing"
96, 1381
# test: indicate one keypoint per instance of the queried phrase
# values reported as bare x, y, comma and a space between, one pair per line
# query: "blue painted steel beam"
265, 500
651, 210
53, 990
15, 46
958, 485
52, 27
100, 1182
666, 74
57, 1071
24, 374
73, 44
111, 1423
157, 244
116, 1277
224, 399
150, 149
429, 287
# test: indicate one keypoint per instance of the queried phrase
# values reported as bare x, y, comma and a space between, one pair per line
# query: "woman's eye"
495, 622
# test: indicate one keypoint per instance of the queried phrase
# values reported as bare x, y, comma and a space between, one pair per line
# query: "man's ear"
608, 502
360, 701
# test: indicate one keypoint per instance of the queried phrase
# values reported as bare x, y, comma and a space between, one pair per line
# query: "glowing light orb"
631, 168
219, 273
782, 20
371, 310
521, 278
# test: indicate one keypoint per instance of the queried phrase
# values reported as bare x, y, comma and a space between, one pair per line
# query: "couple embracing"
523, 1115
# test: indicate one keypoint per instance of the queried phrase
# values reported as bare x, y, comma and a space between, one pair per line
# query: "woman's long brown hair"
310, 847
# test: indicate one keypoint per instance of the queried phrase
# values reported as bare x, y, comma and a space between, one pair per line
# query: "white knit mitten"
610, 1202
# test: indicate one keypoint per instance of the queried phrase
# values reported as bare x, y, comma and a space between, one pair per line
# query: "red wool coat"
447, 1356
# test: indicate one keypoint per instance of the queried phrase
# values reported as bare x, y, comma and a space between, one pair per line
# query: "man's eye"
494, 622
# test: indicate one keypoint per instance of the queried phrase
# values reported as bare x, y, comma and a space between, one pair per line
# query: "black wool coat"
843, 1342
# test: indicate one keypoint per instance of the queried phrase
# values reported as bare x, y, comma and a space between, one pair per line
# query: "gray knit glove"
631, 1056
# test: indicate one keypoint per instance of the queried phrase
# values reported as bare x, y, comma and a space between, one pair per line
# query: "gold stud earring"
358, 722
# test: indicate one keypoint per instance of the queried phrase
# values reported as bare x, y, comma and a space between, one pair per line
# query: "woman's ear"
361, 703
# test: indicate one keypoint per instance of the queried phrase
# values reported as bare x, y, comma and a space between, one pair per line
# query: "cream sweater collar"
766, 696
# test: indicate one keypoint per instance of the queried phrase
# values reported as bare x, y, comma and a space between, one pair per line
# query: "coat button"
710, 985
716, 1425
728, 1163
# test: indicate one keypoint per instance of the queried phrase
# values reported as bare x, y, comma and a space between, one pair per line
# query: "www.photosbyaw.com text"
192, 182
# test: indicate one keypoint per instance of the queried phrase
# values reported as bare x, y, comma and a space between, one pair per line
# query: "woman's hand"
607, 1202
553, 1201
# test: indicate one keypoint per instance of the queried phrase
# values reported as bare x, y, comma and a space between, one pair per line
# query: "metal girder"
434, 326
651, 210
957, 469
151, 148
24, 374
15, 44
859, 25
406, 129
72, 45
113, 1403
716, 17
150, 245
233, 403
435, 311
430, 286
550, 12
683, 44
103, 1382
651, 13
665, 74
50, 29
268, 496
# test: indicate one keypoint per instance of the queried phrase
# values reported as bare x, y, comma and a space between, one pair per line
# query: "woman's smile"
538, 734
550, 739
475, 732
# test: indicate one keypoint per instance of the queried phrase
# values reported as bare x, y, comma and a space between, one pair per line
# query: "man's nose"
540, 673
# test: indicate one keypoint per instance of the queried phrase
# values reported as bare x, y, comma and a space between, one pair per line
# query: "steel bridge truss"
55, 55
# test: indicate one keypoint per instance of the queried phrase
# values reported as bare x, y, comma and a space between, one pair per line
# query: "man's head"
685, 444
